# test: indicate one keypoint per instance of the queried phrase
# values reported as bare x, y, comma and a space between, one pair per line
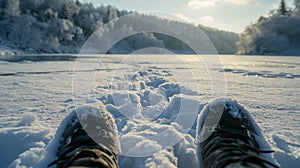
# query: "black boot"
226, 137
89, 140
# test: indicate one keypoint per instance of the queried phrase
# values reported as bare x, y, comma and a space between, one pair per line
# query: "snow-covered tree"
12, 8
276, 34
31, 7
297, 7
64, 12
111, 14
49, 14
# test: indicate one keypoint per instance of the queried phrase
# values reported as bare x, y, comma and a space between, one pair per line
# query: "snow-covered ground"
154, 99
5, 50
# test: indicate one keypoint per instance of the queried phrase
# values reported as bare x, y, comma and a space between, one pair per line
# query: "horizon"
203, 12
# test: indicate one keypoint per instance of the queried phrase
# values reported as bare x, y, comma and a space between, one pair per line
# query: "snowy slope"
154, 101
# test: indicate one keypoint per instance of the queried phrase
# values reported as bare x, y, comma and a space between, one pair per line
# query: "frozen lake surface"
36, 96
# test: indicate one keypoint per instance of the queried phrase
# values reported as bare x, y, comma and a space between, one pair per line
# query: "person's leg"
88, 140
226, 136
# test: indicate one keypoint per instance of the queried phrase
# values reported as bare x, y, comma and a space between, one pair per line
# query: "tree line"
62, 26
276, 34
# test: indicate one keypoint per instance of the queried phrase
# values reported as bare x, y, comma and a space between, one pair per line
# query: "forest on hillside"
276, 34
63, 26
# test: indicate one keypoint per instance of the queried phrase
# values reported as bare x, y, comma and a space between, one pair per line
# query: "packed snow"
155, 103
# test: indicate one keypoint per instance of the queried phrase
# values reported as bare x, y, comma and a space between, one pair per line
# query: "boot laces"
227, 146
78, 149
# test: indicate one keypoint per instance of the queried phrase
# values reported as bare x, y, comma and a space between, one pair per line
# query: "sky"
230, 15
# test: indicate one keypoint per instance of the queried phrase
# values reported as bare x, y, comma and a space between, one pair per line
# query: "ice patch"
262, 74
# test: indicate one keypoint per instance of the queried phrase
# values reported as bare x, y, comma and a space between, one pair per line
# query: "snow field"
33, 105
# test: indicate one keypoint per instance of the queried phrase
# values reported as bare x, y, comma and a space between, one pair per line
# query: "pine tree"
78, 3
282, 8
2, 8
64, 13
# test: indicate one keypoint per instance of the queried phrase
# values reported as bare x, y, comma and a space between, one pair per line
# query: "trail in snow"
152, 126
